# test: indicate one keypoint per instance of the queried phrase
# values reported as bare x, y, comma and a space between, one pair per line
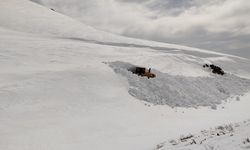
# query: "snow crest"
181, 91
232, 136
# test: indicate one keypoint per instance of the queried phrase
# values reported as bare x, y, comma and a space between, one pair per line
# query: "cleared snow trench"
181, 91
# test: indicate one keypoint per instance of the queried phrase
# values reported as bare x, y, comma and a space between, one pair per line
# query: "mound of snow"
182, 91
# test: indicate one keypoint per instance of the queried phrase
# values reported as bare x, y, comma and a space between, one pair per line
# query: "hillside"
59, 90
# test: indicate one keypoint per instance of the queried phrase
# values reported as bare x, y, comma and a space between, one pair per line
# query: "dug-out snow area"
182, 91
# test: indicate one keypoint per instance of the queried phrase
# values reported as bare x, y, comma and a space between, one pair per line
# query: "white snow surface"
56, 92
182, 91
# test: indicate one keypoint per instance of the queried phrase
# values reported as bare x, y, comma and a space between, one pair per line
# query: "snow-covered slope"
26, 16
57, 91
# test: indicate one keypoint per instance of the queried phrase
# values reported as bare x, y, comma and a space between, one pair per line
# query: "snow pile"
225, 137
181, 91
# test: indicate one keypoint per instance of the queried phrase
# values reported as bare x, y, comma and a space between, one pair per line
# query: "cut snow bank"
181, 91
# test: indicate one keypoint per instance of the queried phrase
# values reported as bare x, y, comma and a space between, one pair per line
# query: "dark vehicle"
215, 69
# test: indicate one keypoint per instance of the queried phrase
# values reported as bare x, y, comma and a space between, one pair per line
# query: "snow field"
58, 91
57, 94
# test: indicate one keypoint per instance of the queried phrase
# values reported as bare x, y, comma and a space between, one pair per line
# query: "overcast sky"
210, 24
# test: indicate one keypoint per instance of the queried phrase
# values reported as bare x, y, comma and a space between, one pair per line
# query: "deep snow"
182, 91
56, 93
